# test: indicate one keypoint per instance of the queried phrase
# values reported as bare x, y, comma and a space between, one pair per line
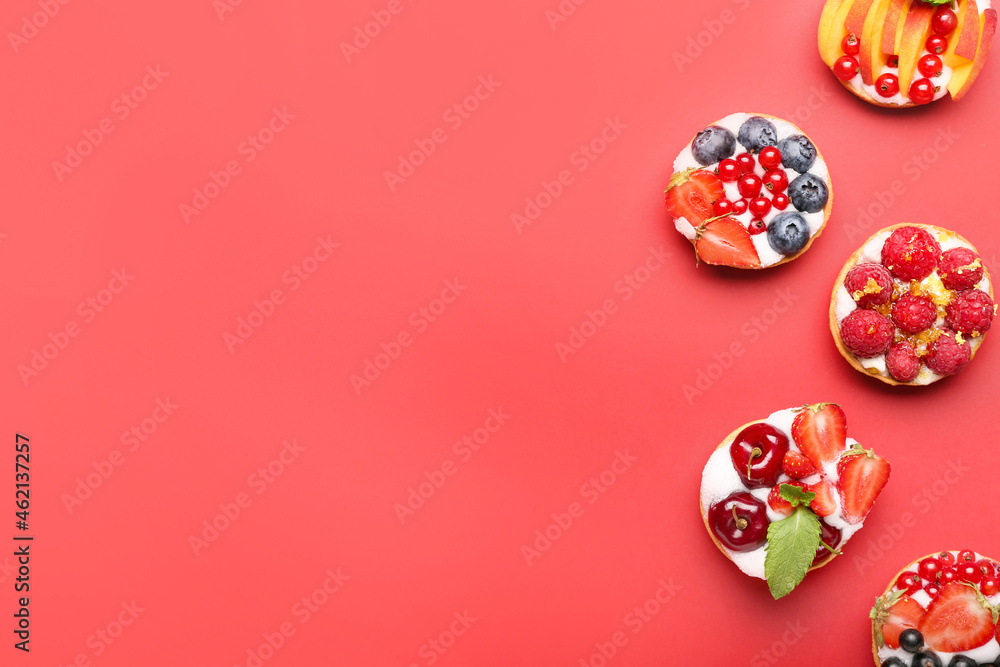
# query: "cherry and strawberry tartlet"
941, 610
912, 305
750, 191
903, 53
783, 495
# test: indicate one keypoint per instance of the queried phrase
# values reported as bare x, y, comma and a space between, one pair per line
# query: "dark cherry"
757, 453
829, 536
739, 521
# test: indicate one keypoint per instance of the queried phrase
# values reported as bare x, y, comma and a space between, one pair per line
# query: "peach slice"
964, 75
897, 9
916, 29
968, 36
871, 57
855, 22
832, 31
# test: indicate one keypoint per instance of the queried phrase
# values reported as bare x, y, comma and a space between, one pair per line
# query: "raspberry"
914, 313
947, 356
970, 312
960, 268
866, 333
910, 253
869, 285
902, 362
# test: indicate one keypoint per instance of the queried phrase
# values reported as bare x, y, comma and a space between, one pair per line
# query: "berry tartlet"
912, 305
939, 611
750, 191
781, 496
902, 53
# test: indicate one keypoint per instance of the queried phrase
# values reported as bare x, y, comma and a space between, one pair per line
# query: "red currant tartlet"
939, 610
912, 305
783, 495
903, 53
750, 191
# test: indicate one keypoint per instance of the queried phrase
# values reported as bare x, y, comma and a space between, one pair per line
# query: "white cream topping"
872, 253
768, 256
719, 479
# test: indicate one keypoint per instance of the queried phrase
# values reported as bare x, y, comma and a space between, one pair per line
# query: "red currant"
760, 206
946, 557
946, 576
728, 170
846, 68
723, 207
944, 21
887, 85
966, 556
780, 201
986, 568
775, 180
922, 91
930, 65
757, 226
770, 157
932, 590
893, 62
740, 206
851, 45
928, 569
749, 185
968, 572
909, 582
990, 586
747, 163
937, 44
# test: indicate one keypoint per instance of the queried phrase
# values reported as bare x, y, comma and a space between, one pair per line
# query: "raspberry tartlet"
939, 610
902, 53
912, 305
750, 191
782, 495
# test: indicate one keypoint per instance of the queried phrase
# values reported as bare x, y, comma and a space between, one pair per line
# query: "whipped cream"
719, 479
768, 255
871, 253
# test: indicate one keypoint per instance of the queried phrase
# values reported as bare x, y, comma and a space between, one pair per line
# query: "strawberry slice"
692, 194
820, 431
903, 615
824, 504
725, 241
958, 619
862, 476
779, 504
797, 466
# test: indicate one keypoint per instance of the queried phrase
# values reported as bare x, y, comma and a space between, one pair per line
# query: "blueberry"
788, 233
910, 640
797, 153
808, 193
926, 659
713, 144
962, 661
893, 662
756, 133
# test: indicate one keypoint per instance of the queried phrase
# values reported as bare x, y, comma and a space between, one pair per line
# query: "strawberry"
727, 242
779, 504
797, 466
692, 194
824, 504
903, 615
958, 619
820, 431
862, 475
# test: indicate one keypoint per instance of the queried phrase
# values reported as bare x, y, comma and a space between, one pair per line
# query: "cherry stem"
756, 452
741, 523
829, 548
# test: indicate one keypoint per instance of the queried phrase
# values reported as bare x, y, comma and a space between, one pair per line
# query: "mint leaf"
796, 496
791, 548
938, 2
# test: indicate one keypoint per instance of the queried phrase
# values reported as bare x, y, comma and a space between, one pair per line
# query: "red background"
494, 347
